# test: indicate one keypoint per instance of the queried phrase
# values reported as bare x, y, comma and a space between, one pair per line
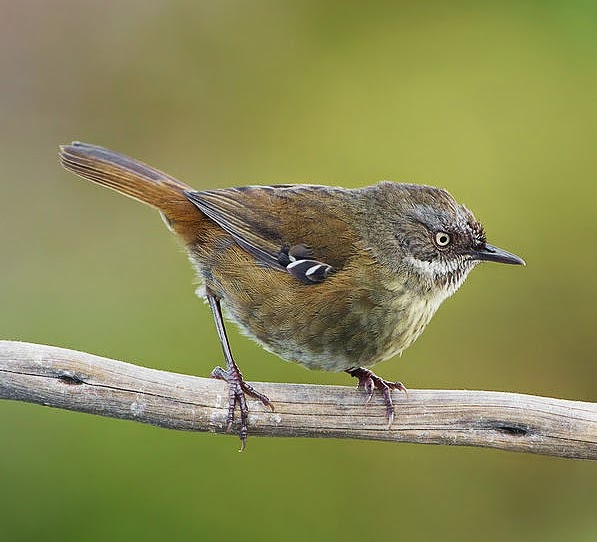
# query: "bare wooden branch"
86, 383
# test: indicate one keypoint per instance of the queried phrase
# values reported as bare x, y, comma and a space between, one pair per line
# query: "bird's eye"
442, 239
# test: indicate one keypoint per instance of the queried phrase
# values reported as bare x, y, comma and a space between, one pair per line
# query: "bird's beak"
489, 253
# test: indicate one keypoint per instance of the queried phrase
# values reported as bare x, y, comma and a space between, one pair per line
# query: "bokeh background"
493, 100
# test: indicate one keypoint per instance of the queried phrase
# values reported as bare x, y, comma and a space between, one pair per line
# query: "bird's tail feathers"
132, 178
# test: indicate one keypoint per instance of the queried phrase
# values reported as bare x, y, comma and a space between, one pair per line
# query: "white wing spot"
313, 269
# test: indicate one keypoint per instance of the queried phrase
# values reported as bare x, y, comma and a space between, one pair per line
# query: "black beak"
489, 253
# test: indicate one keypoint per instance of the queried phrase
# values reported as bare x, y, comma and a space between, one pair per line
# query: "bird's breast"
333, 326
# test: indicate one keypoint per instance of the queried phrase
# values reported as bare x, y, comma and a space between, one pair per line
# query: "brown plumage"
333, 278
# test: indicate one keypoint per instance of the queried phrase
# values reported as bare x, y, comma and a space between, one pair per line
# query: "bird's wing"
291, 228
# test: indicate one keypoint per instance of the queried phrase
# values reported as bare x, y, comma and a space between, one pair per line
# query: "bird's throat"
441, 278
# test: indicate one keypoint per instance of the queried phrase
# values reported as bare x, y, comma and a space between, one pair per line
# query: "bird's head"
436, 240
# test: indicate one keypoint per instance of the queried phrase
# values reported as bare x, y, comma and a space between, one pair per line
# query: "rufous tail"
134, 179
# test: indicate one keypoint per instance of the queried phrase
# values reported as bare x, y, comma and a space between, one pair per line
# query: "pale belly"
362, 336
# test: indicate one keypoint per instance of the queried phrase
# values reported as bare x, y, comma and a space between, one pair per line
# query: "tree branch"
86, 383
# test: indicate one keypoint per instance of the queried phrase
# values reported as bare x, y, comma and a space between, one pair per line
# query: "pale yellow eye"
442, 239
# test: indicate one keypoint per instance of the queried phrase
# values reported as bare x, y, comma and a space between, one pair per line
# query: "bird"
335, 279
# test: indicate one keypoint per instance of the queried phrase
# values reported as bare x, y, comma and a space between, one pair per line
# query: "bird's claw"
237, 391
369, 381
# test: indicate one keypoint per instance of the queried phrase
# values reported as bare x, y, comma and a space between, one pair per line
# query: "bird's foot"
237, 388
369, 381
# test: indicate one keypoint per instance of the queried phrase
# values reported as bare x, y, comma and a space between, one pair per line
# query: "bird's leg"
237, 387
369, 381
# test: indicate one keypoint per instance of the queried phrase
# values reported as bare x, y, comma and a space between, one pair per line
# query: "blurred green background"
494, 101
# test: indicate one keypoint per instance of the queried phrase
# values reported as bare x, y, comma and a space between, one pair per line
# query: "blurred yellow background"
494, 101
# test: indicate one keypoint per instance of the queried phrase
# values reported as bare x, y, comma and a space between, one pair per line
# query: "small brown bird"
333, 278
